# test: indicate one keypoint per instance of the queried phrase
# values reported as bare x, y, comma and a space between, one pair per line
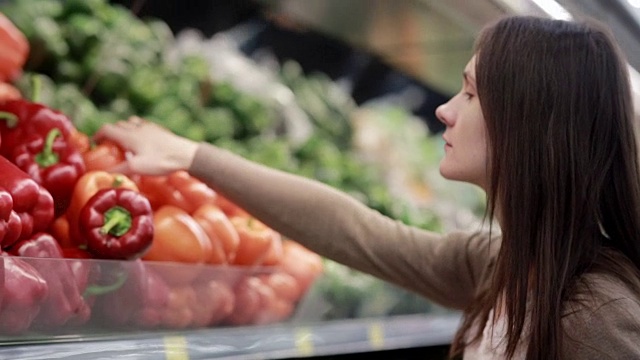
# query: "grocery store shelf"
256, 342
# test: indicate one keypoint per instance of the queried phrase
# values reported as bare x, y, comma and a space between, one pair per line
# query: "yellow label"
175, 348
304, 341
376, 335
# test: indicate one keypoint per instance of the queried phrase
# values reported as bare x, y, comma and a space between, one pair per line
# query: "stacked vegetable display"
99, 63
83, 245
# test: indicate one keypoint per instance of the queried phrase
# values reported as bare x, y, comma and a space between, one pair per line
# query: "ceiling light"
634, 3
556, 10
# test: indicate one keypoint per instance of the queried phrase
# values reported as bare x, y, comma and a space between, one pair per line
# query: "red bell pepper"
23, 118
215, 302
221, 232
53, 163
9, 92
10, 223
103, 156
87, 186
140, 301
86, 275
179, 313
10, 230
14, 50
301, 263
32, 202
178, 189
65, 302
178, 237
256, 241
80, 141
117, 224
23, 293
59, 229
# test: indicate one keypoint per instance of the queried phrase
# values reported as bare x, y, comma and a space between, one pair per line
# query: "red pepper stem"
10, 118
117, 221
36, 86
47, 157
105, 289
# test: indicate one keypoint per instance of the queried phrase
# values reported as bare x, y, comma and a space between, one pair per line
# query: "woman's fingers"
152, 149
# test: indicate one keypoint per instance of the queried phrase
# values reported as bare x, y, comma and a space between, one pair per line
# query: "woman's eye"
468, 95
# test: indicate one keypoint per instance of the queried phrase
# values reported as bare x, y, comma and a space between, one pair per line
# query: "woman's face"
465, 156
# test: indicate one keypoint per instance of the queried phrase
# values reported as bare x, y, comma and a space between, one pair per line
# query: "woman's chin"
451, 173
446, 171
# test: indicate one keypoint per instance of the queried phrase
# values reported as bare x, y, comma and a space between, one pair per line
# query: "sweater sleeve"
445, 268
610, 331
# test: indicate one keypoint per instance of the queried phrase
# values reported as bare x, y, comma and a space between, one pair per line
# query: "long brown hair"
564, 174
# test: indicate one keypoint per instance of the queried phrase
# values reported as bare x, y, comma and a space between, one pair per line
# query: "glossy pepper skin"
257, 241
141, 300
23, 294
87, 186
103, 156
14, 50
178, 237
221, 232
117, 224
10, 223
65, 302
32, 202
178, 189
23, 117
53, 163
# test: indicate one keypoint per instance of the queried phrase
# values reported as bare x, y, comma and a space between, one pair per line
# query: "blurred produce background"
98, 62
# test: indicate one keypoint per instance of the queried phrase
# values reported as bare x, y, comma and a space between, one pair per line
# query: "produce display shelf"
255, 342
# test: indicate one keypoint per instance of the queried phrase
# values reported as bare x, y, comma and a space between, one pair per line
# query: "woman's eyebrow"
469, 79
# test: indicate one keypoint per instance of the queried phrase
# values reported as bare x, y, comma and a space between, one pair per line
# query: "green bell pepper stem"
117, 221
105, 289
36, 86
10, 118
47, 156
117, 181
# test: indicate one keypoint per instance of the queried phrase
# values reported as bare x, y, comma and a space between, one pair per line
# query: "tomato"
178, 237
223, 235
103, 156
256, 240
301, 263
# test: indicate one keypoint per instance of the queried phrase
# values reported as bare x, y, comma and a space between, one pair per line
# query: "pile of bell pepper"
62, 207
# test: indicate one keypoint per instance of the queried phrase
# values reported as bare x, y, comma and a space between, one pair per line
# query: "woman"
544, 125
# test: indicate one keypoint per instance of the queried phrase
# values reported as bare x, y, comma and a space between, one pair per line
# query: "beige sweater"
447, 269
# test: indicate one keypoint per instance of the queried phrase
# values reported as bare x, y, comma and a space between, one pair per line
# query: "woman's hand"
151, 149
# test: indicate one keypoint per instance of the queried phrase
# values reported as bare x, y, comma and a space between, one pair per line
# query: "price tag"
304, 341
175, 348
376, 335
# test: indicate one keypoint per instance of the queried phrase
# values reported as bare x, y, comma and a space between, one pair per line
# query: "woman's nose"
444, 113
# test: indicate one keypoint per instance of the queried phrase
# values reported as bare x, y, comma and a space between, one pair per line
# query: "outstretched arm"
447, 269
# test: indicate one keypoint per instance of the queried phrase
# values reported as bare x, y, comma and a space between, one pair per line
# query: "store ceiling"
432, 40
